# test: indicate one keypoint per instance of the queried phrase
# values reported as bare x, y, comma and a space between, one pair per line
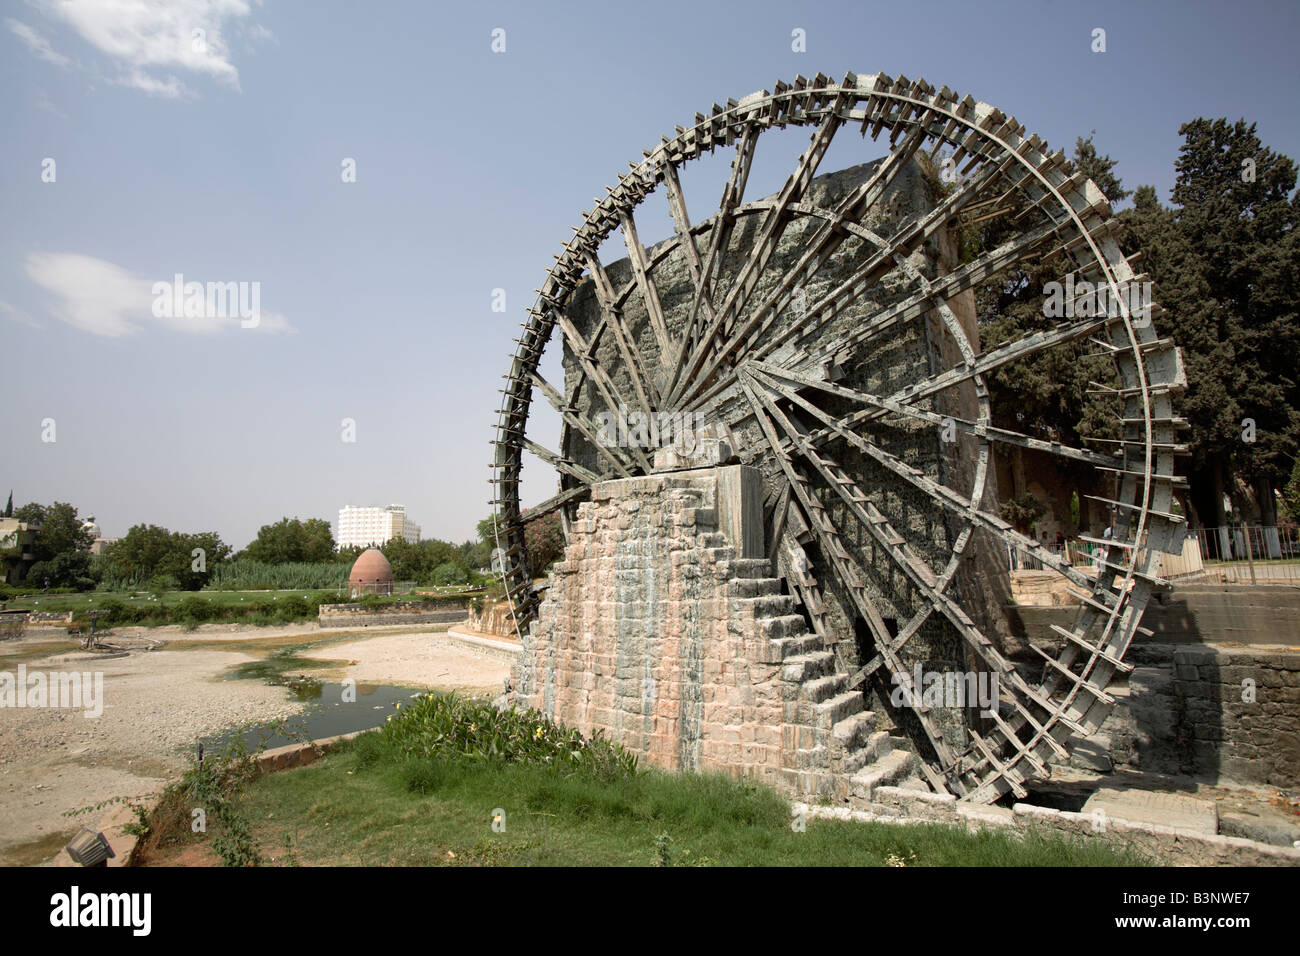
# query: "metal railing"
1249, 554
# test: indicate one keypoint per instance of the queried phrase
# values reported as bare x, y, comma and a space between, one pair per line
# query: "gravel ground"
417, 660
157, 703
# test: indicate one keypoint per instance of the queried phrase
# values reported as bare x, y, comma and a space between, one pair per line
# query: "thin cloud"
104, 299
35, 42
152, 44
14, 314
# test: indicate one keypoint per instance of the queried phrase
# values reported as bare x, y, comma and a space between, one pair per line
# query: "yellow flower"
537, 734
390, 718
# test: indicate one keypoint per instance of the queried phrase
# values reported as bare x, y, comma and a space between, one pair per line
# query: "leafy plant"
453, 727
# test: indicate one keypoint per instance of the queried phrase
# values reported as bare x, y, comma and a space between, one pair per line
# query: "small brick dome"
371, 574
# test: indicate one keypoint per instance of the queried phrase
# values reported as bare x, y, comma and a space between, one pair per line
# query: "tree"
9, 508
544, 539
291, 539
1226, 262
449, 573
61, 530
71, 569
165, 559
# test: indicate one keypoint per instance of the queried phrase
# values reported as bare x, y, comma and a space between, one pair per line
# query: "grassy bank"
449, 782
124, 608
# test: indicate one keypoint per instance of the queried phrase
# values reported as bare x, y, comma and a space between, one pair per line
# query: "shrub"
447, 726
196, 609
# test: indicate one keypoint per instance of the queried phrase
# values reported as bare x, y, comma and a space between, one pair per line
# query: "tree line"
290, 553
1224, 258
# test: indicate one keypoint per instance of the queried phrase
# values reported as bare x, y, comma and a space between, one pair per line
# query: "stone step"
787, 625
915, 784
894, 766
824, 688
854, 761
831, 712
813, 758
770, 605
879, 744
805, 667
781, 649
751, 568
852, 732
754, 587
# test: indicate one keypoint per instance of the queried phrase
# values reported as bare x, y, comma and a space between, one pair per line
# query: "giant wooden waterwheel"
830, 331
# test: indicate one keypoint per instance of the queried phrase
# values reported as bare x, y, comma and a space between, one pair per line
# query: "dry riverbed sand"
157, 703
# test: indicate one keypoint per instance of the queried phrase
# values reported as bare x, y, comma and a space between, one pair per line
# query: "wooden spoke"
584, 426
832, 546
897, 547
719, 238
554, 503
612, 316
682, 223
584, 354
770, 232
649, 294
885, 260
828, 238
562, 464
937, 492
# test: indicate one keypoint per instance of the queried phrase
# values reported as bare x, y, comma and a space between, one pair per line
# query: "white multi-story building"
361, 526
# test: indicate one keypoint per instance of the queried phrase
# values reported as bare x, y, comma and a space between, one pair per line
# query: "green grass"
426, 789
344, 811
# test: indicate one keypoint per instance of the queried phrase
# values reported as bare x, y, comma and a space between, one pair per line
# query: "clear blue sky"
223, 164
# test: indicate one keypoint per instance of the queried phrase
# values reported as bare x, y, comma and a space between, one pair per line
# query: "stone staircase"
834, 751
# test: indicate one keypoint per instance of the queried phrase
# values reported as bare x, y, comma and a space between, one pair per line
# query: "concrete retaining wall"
399, 612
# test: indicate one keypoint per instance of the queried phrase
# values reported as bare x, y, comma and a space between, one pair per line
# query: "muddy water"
332, 707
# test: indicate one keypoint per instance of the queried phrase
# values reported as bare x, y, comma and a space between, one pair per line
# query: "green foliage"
61, 531
1224, 260
194, 609
164, 560
246, 574
1023, 511
1291, 495
363, 804
449, 573
292, 540
70, 569
453, 727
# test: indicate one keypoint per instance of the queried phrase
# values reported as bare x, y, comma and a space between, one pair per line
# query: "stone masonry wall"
1191, 712
637, 637
658, 631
